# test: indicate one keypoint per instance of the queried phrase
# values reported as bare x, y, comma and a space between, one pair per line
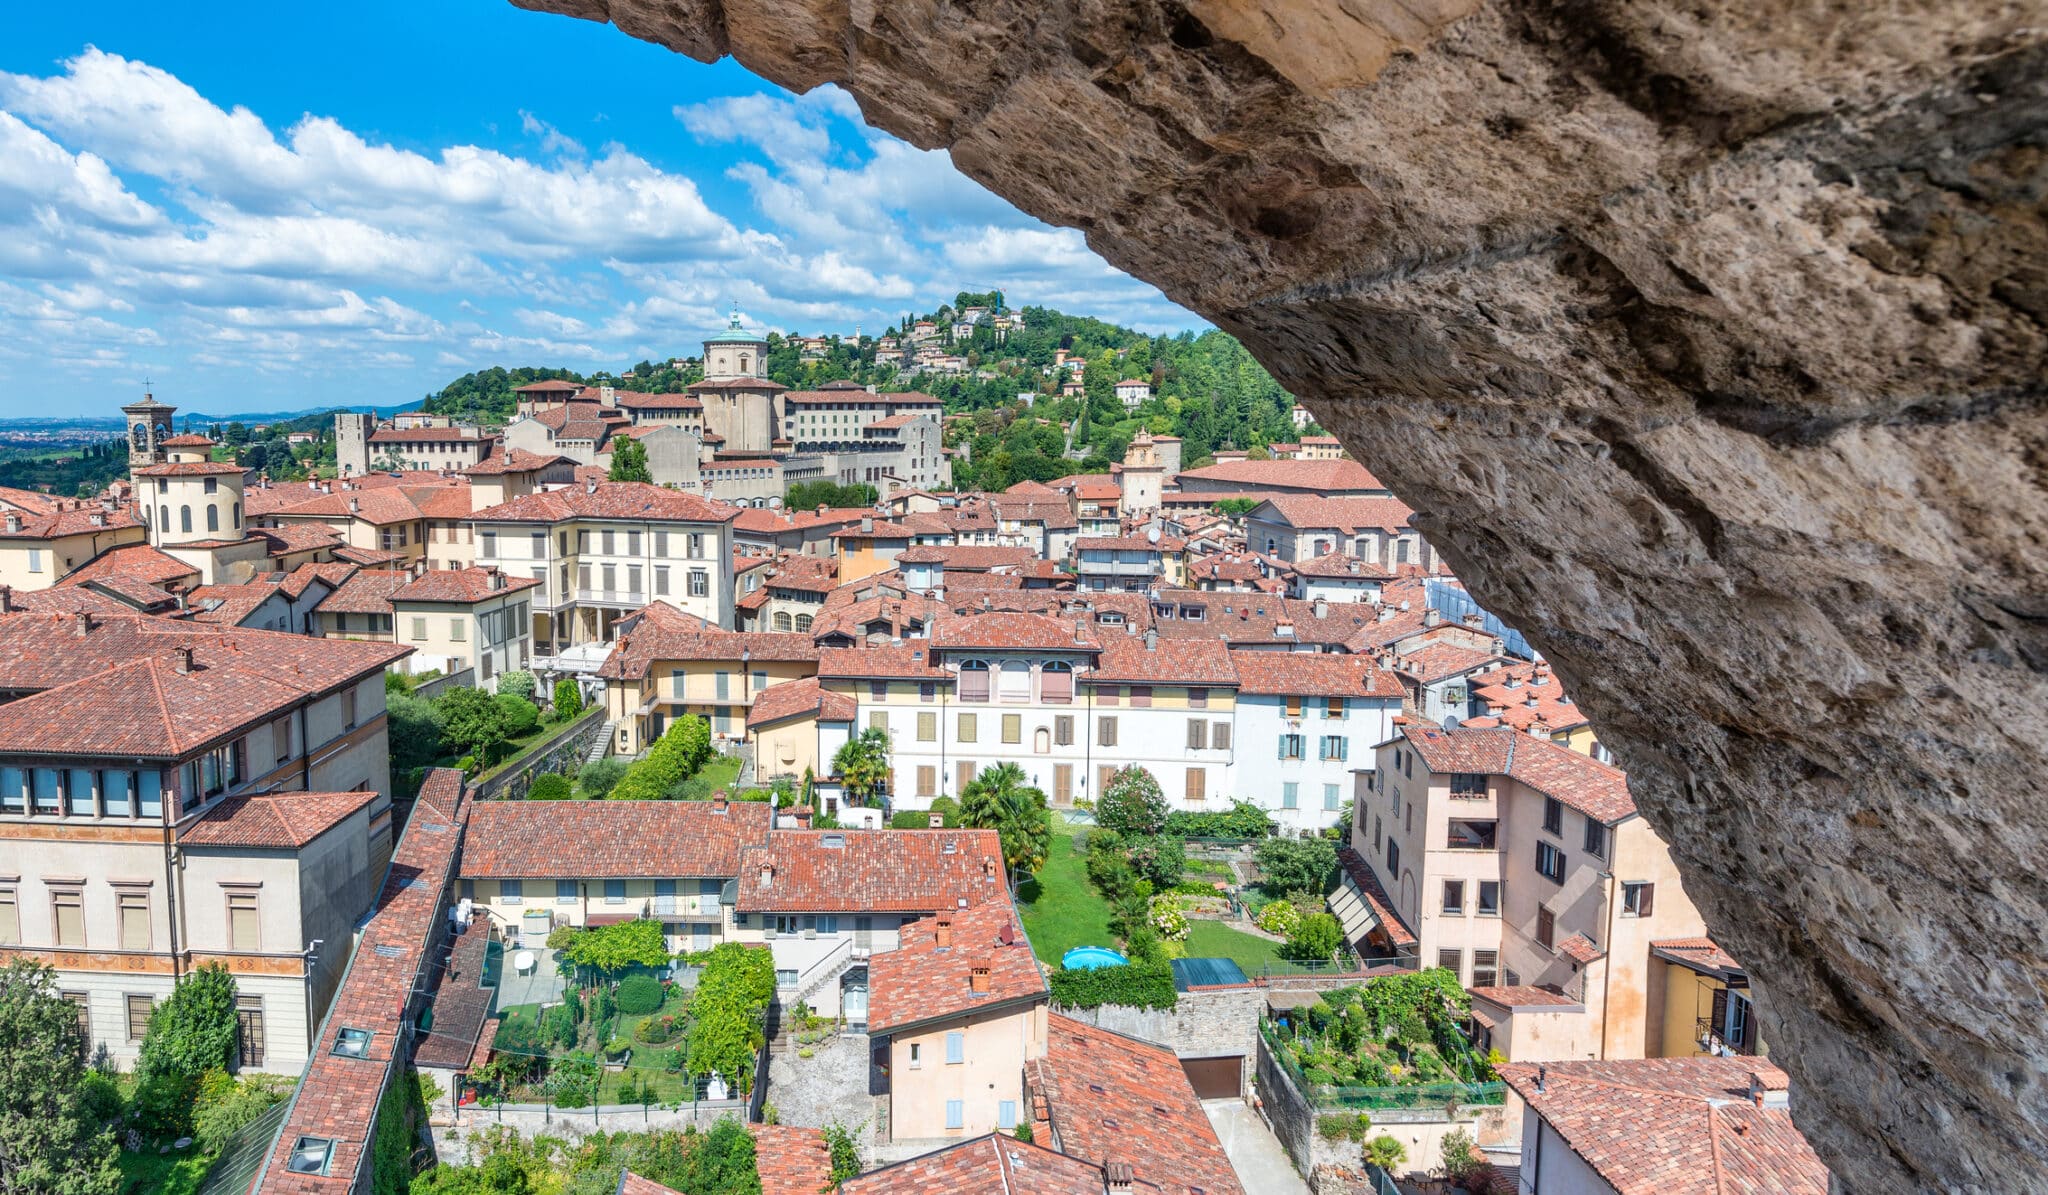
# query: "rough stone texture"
1708, 341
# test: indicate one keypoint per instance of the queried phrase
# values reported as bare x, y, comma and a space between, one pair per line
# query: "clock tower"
149, 425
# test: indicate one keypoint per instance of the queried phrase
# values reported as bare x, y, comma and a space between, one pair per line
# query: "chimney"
184, 659
1117, 1178
867, 524
942, 932
1080, 630
590, 487
1322, 607
6, 599
719, 802
1474, 619
1431, 616
13, 523
355, 505
497, 579
1542, 1073
81, 624
802, 813
821, 510
935, 821
767, 874
977, 982
1151, 640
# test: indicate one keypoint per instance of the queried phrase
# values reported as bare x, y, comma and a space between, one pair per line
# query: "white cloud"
140, 217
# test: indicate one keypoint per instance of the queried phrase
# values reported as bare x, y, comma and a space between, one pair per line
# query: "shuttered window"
244, 931
1198, 734
133, 910
68, 909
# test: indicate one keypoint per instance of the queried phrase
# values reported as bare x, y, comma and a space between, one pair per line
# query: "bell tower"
149, 425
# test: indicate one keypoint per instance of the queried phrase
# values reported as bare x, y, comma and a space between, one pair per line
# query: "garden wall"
563, 752
451, 1139
1286, 1108
1210, 1023
429, 689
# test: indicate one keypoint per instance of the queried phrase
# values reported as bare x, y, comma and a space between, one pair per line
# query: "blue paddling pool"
1088, 958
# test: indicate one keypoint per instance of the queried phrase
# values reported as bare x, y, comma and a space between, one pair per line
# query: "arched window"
212, 517
163, 520
782, 621
238, 516
974, 680
1041, 741
184, 518
1056, 682
803, 622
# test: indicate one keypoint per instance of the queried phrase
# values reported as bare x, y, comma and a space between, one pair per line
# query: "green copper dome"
734, 334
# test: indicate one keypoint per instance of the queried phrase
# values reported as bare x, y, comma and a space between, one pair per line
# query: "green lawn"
1060, 909
720, 772
1213, 939
151, 1173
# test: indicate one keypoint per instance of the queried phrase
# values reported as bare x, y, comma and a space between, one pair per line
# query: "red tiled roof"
892, 422
428, 435
882, 871
70, 599
551, 386
1523, 996
686, 637
923, 981
1113, 1098
1701, 952
737, 384
796, 698
1674, 1126
367, 591
637, 400
88, 518
229, 604
769, 522
139, 562
366, 557
997, 1164
1126, 659
461, 1003
463, 585
1580, 949
286, 819
384, 505
187, 440
1312, 674
1322, 477
906, 397
966, 557
514, 460
636, 500
1340, 564
611, 839
1436, 661
188, 469
296, 537
791, 1161
337, 1096
1006, 631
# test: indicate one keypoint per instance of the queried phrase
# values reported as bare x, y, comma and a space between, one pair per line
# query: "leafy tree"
613, 948
639, 994
999, 799
48, 1146
414, 727
732, 995
600, 776
680, 751
1236, 508
809, 495
521, 715
568, 698
1386, 1152
1160, 858
629, 461
516, 683
473, 721
1461, 1154
1315, 939
1297, 864
189, 1034
723, 1163
845, 1154
1131, 803
863, 765
549, 786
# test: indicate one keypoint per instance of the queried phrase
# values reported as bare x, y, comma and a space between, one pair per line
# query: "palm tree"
863, 765
999, 799
1386, 1152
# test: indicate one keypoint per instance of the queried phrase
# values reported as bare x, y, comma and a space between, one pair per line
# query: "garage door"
1215, 1078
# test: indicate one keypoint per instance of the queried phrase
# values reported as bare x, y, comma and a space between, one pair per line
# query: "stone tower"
1142, 477
739, 403
149, 425
189, 498
351, 444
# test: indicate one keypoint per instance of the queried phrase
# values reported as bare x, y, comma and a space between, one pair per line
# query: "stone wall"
1203, 1024
1709, 344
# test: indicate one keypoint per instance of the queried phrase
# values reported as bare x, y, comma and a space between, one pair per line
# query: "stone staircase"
602, 745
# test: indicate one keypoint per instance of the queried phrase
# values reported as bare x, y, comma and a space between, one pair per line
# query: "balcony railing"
1712, 1041
614, 597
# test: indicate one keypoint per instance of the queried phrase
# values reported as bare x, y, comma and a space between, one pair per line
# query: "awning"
1349, 905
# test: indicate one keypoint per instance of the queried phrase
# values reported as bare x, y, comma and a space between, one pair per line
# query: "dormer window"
310, 1155
352, 1043
833, 841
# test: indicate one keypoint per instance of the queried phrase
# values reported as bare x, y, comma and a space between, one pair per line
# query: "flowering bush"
1169, 917
1280, 917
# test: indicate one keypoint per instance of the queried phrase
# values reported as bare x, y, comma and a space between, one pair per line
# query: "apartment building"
1705, 999
431, 447
958, 1009
827, 901
605, 549
667, 665
795, 728
532, 866
1313, 720
466, 618
44, 538
1524, 867
1301, 527
409, 522
173, 795
1129, 563
1049, 695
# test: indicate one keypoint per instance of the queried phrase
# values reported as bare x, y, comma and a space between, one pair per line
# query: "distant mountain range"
115, 422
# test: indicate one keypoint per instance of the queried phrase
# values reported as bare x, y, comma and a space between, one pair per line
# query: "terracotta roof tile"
286, 819
461, 585
514, 460
997, 1164
883, 871
1580, 949
367, 591
384, 505
806, 697
1005, 631
1323, 477
140, 562
678, 636
738, 384
428, 435
187, 469
1196, 662
77, 518
1524, 996
1312, 674
611, 839
922, 980
1340, 564
1433, 662
635, 400
791, 1161
1674, 1126
1113, 1098
1361, 875
1703, 952
966, 557
635, 500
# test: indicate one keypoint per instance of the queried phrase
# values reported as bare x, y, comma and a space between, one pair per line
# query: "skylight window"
310, 1155
353, 1043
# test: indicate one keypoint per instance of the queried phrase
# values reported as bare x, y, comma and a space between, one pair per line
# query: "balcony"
1711, 1039
1472, 836
696, 904
612, 597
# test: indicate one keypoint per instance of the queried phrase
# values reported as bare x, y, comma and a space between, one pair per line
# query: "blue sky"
274, 206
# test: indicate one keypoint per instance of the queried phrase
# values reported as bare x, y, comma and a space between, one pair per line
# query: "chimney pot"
184, 660
942, 933
81, 623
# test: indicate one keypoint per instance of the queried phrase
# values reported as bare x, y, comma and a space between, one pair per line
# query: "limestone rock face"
1708, 341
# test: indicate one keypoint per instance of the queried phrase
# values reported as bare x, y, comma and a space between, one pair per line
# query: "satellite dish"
1152, 534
